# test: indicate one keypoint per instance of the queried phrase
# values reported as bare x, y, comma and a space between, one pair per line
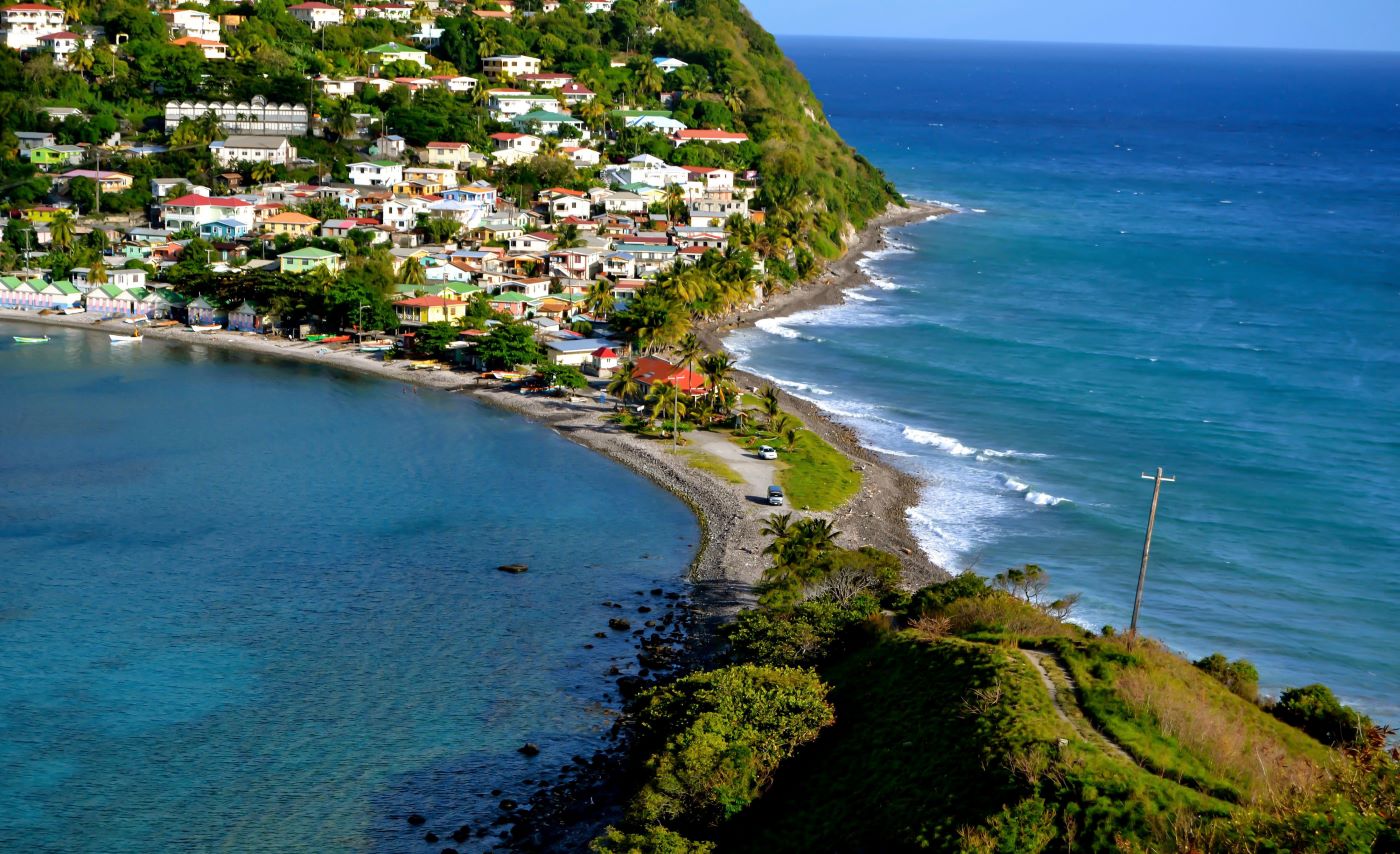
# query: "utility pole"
97, 208
1157, 481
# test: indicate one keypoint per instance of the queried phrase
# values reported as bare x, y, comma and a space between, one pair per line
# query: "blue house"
224, 229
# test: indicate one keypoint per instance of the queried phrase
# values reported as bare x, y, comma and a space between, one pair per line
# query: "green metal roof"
393, 47
310, 252
543, 116
510, 296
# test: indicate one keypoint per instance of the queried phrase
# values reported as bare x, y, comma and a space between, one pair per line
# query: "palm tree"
489, 45
791, 436
674, 195
649, 79
665, 396
689, 350
733, 98
264, 171
601, 298
624, 385
567, 237
341, 120
768, 402
777, 526
593, 113
414, 274
717, 368
549, 146
81, 60
97, 273
62, 229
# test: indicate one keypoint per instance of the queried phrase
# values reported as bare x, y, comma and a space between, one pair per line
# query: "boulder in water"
417, 820
527, 749
514, 568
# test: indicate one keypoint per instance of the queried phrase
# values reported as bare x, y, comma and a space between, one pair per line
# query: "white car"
767, 452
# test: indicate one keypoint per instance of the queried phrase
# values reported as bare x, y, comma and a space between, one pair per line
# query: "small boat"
376, 348
20, 339
124, 339
205, 327
316, 339
336, 339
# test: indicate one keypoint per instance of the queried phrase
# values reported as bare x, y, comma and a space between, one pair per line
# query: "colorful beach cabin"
247, 318
310, 259
161, 303
202, 312
223, 229
108, 300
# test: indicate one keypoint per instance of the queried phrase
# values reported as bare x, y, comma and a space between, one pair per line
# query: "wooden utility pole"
1157, 481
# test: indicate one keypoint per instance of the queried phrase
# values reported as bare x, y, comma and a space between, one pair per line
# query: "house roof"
310, 252
393, 47
293, 218
54, 37
651, 370
429, 302
704, 134
604, 353
196, 41
447, 145
194, 200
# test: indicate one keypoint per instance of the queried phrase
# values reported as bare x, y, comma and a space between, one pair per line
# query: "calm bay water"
252, 606
1171, 257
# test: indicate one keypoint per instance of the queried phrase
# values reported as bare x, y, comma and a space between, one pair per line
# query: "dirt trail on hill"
1067, 707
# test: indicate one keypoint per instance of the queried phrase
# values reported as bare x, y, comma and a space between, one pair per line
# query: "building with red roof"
651, 370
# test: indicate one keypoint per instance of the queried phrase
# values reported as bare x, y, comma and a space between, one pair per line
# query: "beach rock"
430, 837
462, 834
515, 568
600, 634
643, 610
417, 820
656, 591
619, 624
508, 805
449, 851
527, 749
495, 793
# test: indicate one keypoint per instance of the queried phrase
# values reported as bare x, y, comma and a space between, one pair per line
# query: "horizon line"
1071, 43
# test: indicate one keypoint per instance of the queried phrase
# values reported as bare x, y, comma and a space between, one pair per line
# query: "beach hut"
161, 303
112, 301
60, 294
203, 312
247, 318
10, 292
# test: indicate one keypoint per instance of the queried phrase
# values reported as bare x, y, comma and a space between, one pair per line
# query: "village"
562, 260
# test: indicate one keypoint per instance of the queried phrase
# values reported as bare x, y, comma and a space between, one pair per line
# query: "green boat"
20, 339
315, 339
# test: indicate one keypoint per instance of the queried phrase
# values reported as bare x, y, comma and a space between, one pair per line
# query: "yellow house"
41, 213
417, 311
291, 223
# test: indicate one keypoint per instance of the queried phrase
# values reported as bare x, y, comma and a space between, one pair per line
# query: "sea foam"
938, 440
1045, 499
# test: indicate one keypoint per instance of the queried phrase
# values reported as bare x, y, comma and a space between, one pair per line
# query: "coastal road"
758, 474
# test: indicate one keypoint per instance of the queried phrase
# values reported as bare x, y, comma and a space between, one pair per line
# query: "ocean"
247, 605
1171, 257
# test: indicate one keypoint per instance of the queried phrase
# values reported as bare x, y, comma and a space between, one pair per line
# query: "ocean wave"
801, 387
879, 450
774, 326
1045, 499
938, 440
990, 454
1013, 484
859, 297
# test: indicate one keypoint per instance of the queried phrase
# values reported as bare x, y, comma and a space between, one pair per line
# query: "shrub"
653, 840
715, 739
1315, 710
1239, 675
936, 597
804, 635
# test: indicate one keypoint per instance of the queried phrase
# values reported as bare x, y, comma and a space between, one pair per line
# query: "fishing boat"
336, 339
316, 339
376, 348
124, 339
21, 339
205, 327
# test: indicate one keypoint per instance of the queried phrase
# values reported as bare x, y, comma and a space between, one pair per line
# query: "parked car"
767, 452
775, 495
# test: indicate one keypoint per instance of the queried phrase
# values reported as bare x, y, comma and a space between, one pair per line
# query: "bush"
1239, 675
715, 738
653, 840
806, 635
936, 597
1315, 710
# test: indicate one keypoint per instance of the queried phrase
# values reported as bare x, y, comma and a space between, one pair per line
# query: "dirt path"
1067, 707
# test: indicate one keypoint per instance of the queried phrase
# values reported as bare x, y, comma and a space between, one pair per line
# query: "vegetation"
713, 465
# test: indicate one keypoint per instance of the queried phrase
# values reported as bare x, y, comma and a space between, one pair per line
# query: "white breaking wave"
938, 440
1013, 484
979, 210
989, 454
774, 326
879, 450
796, 386
1045, 499
859, 297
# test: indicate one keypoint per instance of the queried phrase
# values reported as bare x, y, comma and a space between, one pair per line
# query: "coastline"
730, 560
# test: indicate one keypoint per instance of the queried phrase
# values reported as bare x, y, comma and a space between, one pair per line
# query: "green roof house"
310, 259
395, 52
546, 122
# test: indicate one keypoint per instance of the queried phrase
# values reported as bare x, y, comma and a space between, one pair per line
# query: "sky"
1316, 24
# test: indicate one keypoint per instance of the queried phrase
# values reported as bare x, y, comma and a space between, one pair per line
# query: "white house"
376, 173
187, 22
394, 52
563, 205
63, 44
453, 155
668, 64
210, 49
317, 15
23, 23
720, 137
510, 65
513, 147
253, 149
646, 169
194, 210
580, 156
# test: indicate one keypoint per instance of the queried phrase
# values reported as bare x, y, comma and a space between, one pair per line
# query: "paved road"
758, 474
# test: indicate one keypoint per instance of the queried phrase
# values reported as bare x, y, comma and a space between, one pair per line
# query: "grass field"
712, 464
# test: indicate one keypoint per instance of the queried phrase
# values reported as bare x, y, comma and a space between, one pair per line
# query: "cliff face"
805, 164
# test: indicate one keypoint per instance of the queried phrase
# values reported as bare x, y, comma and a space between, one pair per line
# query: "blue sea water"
1167, 257
253, 606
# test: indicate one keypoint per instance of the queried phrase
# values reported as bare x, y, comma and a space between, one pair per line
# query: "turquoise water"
1172, 257
253, 606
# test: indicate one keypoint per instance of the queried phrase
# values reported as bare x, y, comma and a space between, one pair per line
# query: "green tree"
432, 338
413, 273
623, 385
62, 229
600, 299
563, 376
509, 345
1316, 711
1239, 676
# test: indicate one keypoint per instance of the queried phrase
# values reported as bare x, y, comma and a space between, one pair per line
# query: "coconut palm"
593, 113
62, 230
567, 237
689, 350
768, 402
718, 369
601, 298
97, 273
673, 196
791, 436
489, 44
264, 171
624, 385
667, 399
549, 146
733, 98
777, 526
81, 60
414, 274
649, 79
341, 119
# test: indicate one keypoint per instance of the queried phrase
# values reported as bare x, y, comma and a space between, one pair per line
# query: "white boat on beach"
124, 339
205, 327
376, 348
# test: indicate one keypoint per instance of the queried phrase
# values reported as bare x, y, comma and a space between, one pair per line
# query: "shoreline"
729, 562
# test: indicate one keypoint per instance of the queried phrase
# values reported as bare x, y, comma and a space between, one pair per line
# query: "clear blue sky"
1328, 24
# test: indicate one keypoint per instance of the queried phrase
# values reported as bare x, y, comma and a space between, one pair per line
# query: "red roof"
701, 134
197, 42
507, 136
447, 145
428, 302
560, 191
194, 200
30, 7
312, 4
576, 89
651, 370
604, 353
53, 37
